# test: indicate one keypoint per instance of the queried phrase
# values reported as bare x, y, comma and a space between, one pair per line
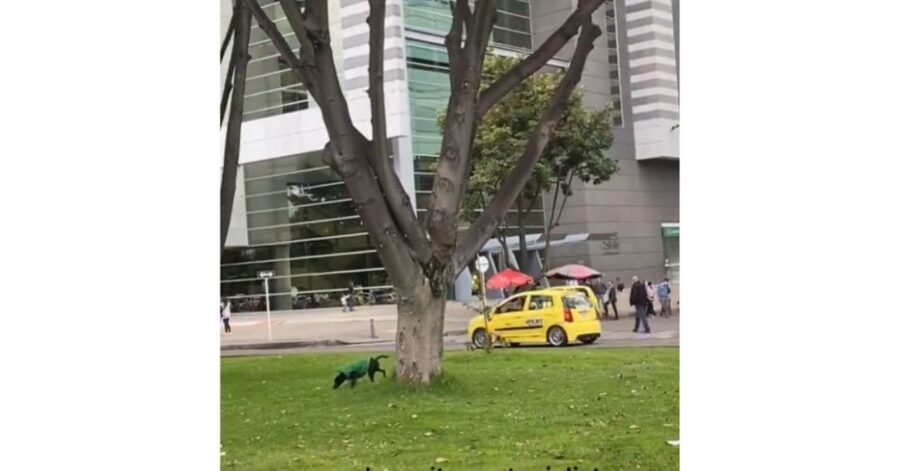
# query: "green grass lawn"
524, 409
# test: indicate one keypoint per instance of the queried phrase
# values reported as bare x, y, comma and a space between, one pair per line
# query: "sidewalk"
331, 325
323, 327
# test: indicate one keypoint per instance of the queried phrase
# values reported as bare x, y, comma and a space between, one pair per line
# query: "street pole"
484, 313
268, 311
482, 266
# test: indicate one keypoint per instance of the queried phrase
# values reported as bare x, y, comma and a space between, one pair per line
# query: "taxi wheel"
479, 338
556, 336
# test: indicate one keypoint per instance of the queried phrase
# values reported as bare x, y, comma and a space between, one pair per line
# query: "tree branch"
228, 34
303, 73
512, 185
398, 200
537, 59
376, 76
453, 40
307, 61
240, 57
226, 92
478, 32
549, 223
451, 177
562, 205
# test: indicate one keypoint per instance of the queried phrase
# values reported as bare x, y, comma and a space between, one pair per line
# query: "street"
330, 330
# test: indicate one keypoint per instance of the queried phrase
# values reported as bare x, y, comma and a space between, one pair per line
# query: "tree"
424, 259
575, 151
239, 27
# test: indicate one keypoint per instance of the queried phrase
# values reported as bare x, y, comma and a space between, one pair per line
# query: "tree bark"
226, 91
228, 34
397, 198
420, 335
454, 163
235, 120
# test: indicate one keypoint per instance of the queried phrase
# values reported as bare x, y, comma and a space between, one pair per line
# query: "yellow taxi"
552, 316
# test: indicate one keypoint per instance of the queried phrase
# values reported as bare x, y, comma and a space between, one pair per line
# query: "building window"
302, 225
512, 29
612, 44
271, 87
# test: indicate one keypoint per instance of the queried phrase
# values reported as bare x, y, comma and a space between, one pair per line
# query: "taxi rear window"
576, 301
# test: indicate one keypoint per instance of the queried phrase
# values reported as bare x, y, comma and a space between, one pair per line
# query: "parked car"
550, 316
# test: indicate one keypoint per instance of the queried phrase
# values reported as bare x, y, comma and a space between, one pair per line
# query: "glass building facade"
615, 80
272, 88
302, 225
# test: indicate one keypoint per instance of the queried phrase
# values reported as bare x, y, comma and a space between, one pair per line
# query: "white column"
401, 148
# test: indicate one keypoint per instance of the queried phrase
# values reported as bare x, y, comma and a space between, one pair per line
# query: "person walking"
664, 292
600, 289
348, 305
640, 301
611, 297
226, 314
651, 296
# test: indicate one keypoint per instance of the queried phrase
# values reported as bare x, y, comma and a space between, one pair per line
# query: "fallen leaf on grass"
674, 443
428, 434
415, 416
441, 459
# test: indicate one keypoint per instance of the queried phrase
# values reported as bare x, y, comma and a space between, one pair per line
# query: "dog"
358, 369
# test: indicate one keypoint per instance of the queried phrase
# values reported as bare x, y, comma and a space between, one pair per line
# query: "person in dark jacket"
612, 298
640, 301
600, 288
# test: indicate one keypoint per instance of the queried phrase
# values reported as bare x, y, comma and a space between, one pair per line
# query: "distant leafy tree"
576, 151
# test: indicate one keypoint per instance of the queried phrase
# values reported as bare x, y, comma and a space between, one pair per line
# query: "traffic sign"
482, 264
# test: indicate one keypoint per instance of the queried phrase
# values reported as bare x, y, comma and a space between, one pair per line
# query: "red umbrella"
509, 278
573, 272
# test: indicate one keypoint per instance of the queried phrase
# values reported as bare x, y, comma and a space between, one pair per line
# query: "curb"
312, 343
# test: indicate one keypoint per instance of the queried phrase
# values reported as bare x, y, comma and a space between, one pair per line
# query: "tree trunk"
420, 335
235, 119
523, 250
504, 255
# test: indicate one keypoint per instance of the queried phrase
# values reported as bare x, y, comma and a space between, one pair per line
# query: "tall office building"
293, 215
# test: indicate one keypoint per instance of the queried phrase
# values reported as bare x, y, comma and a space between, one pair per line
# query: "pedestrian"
350, 293
640, 301
664, 292
600, 289
651, 295
612, 297
225, 313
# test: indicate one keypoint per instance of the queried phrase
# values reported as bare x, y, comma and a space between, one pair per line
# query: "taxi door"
508, 319
538, 309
